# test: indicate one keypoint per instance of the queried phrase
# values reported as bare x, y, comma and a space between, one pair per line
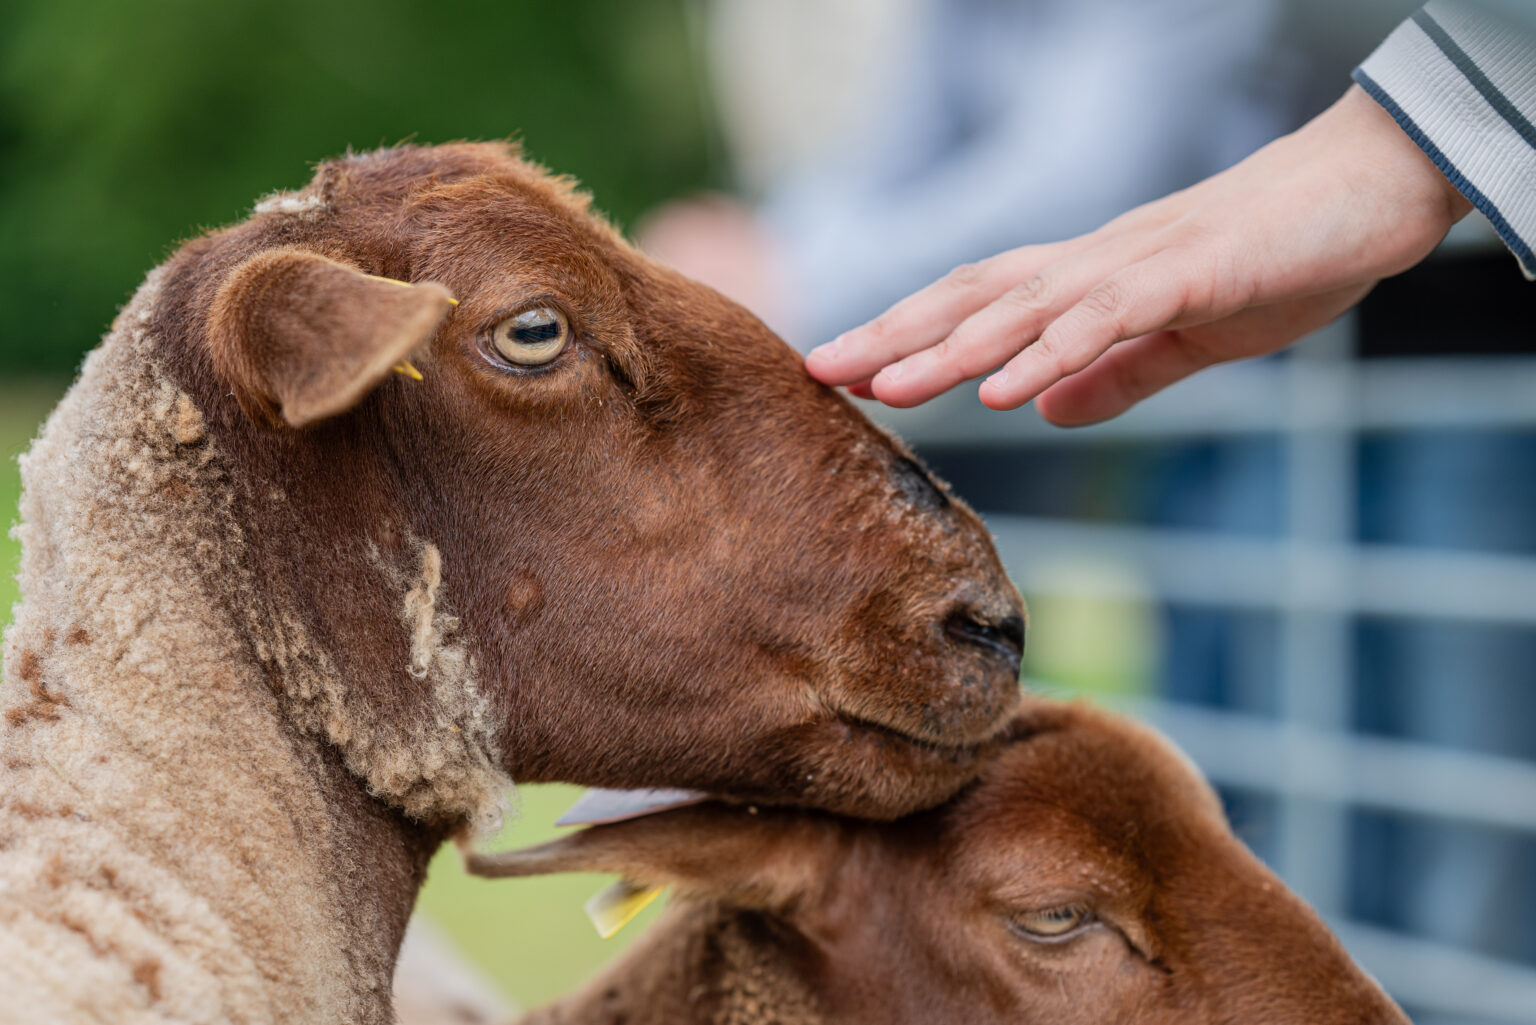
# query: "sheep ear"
760, 858
300, 337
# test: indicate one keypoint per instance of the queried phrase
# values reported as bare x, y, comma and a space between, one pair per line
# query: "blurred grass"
530, 936
127, 126
1093, 629
23, 404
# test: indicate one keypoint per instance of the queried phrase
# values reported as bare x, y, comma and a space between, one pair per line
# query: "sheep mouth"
943, 732
874, 770
860, 767
922, 745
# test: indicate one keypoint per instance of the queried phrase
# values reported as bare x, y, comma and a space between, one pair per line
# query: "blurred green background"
126, 127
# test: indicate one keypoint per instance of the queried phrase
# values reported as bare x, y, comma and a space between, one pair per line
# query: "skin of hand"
1241, 264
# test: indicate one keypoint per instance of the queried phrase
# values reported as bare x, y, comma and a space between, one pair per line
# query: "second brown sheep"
1089, 877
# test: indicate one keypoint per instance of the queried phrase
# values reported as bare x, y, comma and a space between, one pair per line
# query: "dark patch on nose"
1004, 637
918, 485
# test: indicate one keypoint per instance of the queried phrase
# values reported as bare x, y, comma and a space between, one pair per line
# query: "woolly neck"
186, 825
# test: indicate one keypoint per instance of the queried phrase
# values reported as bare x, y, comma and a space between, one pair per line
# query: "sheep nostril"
1004, 637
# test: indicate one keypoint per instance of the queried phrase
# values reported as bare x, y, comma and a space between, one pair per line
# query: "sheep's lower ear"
300, 337
764, 859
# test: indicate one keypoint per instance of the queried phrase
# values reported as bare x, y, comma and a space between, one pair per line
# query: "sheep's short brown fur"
290, 618
803, 918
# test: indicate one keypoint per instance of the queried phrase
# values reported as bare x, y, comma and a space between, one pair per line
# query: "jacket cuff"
1462, 84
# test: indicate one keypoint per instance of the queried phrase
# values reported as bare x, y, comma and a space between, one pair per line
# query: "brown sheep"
291, 618
1089, 877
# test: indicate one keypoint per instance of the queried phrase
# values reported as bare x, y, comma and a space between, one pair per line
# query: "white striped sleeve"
1460, 78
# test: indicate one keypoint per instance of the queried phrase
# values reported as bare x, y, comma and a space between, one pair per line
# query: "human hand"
1241, 264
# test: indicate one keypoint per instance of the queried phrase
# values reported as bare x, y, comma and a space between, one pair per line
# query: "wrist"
1396, 154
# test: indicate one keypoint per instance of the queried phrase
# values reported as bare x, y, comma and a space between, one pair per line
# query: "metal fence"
1315, 578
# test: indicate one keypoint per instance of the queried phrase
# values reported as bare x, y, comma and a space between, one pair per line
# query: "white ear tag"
611, 908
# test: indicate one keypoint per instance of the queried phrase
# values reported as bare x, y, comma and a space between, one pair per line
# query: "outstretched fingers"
978, 345
926, 317
1013, 320
1122, 377
1138, 300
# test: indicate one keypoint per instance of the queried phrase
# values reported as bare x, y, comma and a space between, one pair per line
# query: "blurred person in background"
1244, 262
884, 141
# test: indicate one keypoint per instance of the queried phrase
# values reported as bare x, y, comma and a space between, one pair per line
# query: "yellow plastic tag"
406, 284
611, 908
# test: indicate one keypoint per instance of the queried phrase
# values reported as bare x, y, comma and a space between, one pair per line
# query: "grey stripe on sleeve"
1462, 84
1498, 42
1475, 75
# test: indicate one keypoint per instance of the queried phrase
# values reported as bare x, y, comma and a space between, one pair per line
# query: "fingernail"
827, 349
999, 379
893, 372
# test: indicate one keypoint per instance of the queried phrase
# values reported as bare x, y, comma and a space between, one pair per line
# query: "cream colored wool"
166, 854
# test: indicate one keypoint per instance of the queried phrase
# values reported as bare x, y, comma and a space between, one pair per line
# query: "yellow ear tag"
403, 284
611, 908
404, 366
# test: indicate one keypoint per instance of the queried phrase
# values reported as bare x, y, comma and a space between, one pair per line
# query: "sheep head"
614, 509
1088, 876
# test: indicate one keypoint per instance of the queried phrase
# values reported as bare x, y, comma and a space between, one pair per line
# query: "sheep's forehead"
444, 197
497, 203
463, 188
1093, 760
1095, 786
514, 240
510, 230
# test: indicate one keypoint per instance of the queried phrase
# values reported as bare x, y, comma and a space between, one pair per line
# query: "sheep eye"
532, 337
1052, 923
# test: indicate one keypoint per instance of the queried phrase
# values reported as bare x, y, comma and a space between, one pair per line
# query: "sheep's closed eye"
531, 338
1053, 923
